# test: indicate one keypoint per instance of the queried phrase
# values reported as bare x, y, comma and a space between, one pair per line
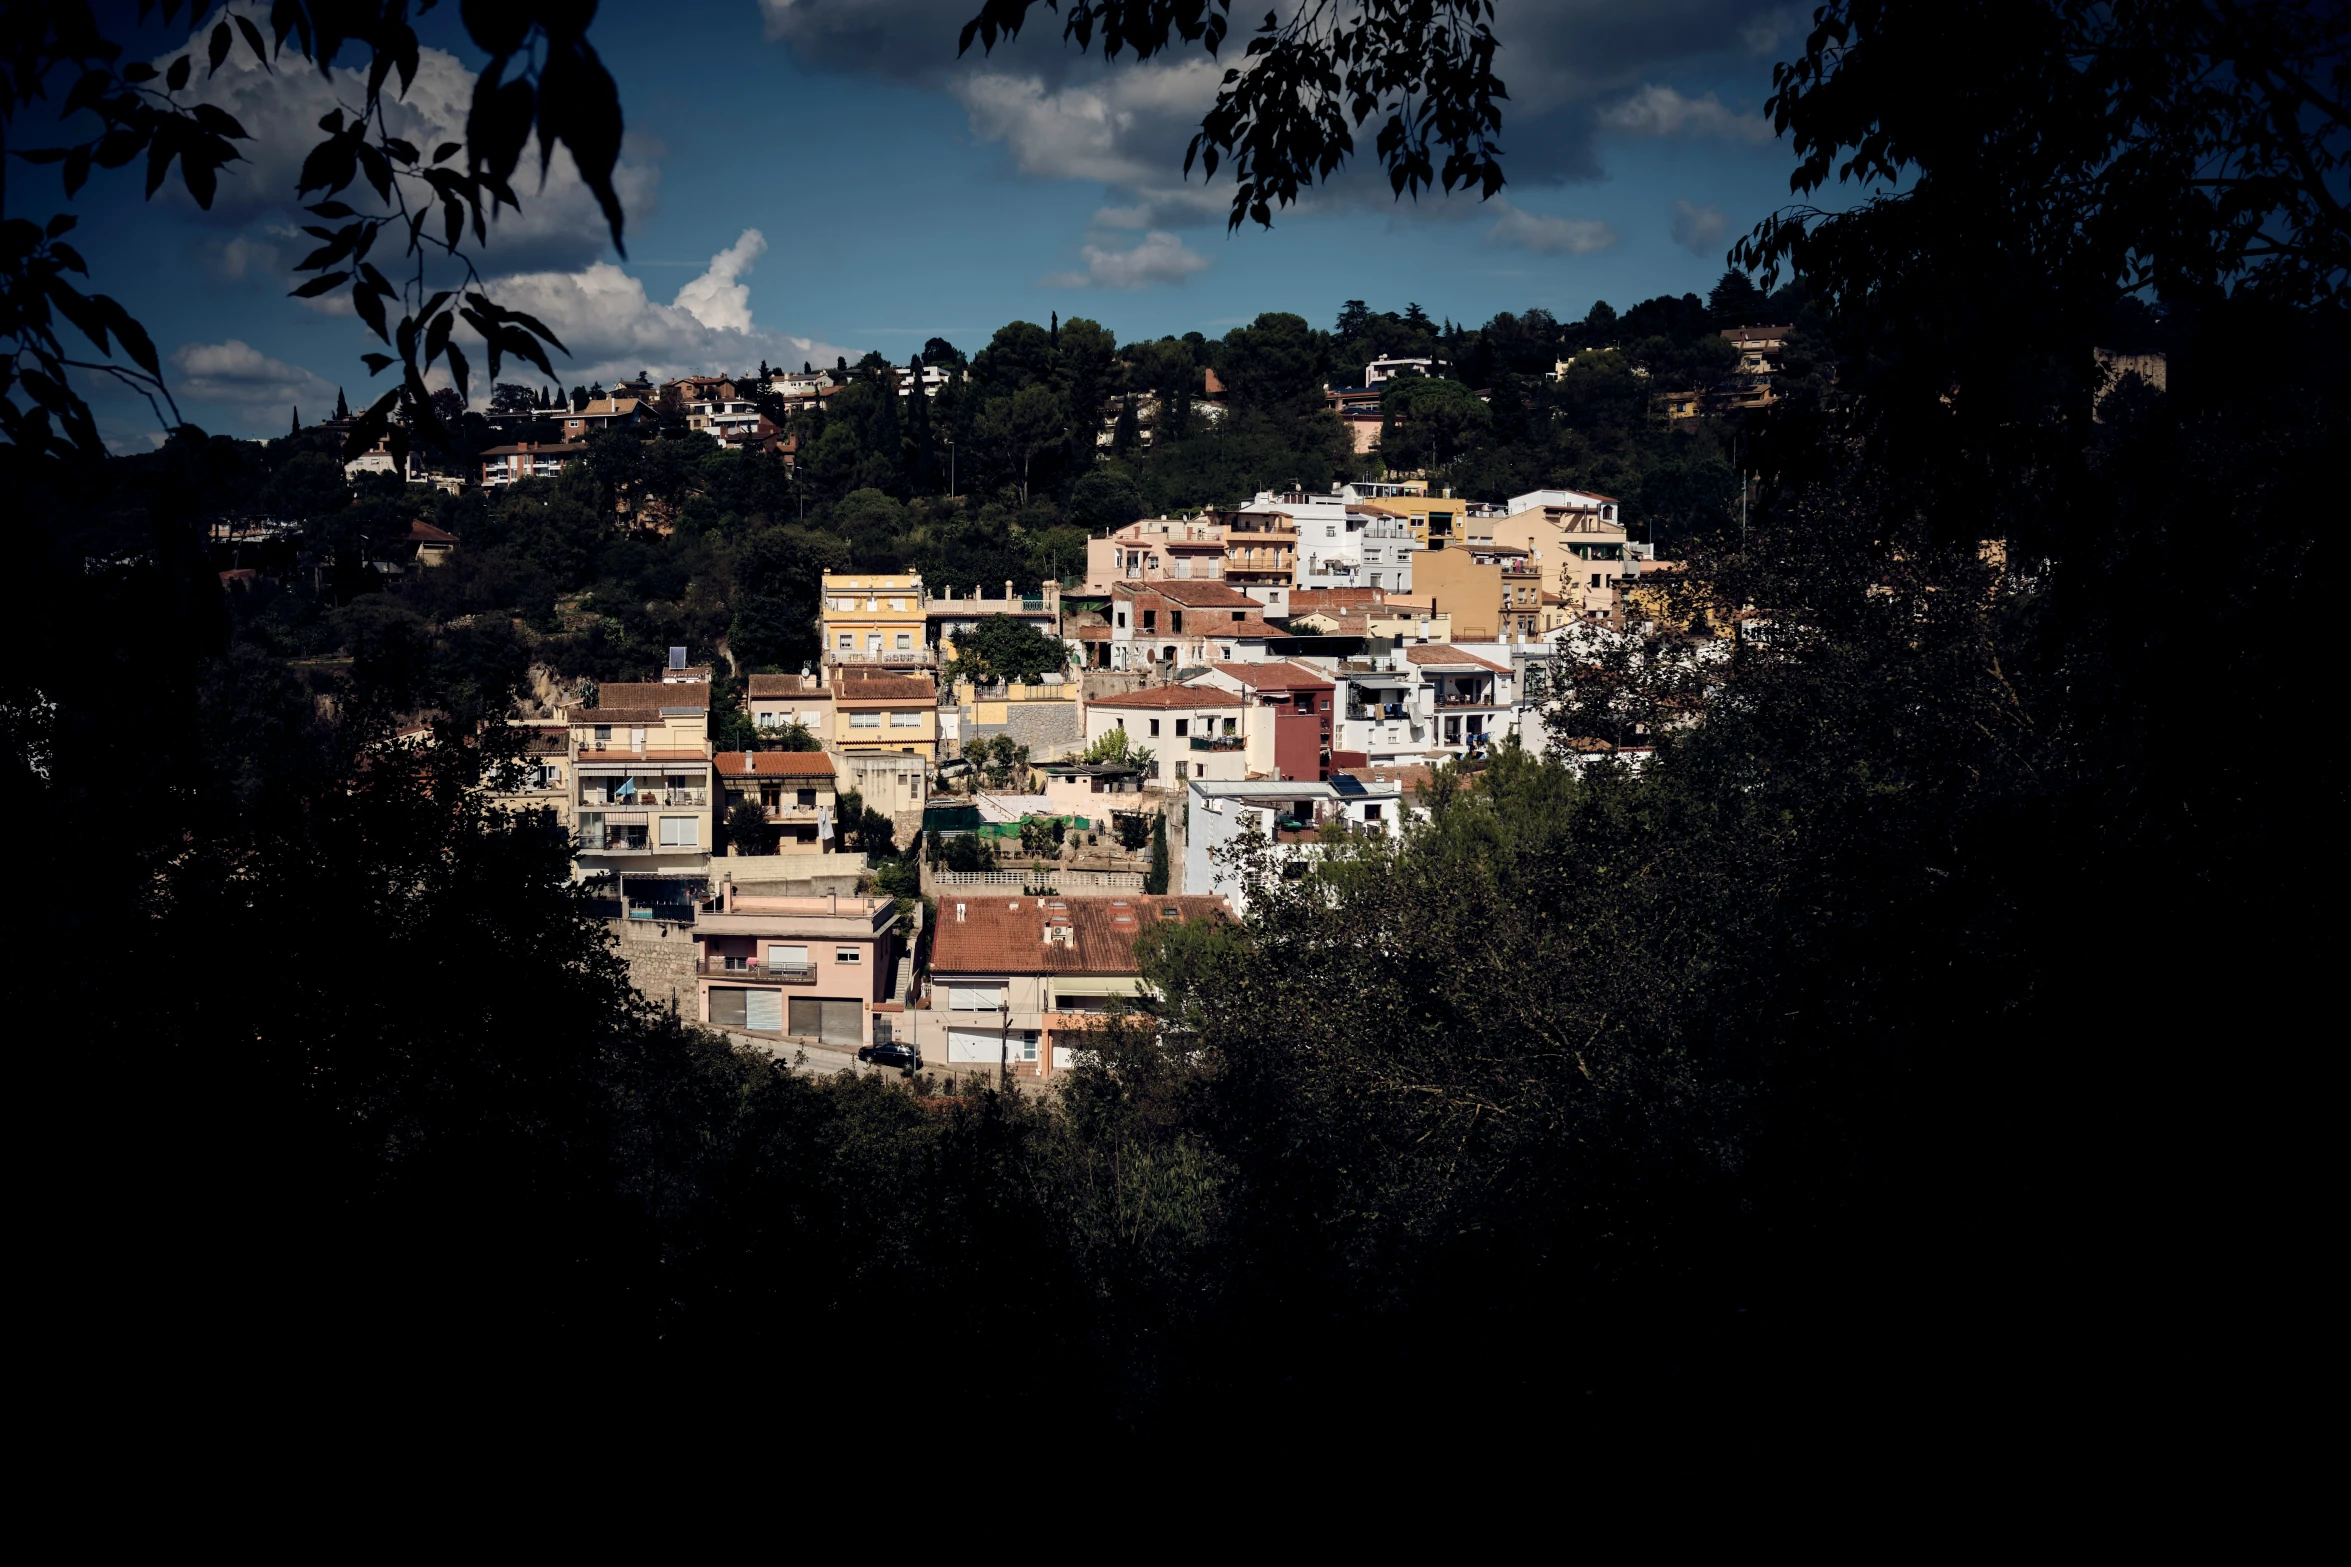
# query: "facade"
504, 465
1366, 546
1294, 820
642, 790
603, 413
1092, 789
1016, 983
1491, 591
1170, 623
948, 617
1261, 542
874, 618
1192, 731
796, 789
873, 711
1424, 703
1576, 540
780, 701
1289, 723
1434, 521
1174, 549
796, 970
541, 779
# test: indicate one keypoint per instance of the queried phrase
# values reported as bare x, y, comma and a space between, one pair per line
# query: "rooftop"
1194, 595
983, 935
885, 688
1445, 656
1273, 675
1172, 696
785, 685
774, 764
651, 696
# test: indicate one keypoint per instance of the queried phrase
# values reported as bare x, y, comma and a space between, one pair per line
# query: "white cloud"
236, 372
1519, 229
1158, 258
613, 328
1661, 111
559, 223
1699, 230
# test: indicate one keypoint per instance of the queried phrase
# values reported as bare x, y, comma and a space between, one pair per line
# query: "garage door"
971, 1044
830, 1022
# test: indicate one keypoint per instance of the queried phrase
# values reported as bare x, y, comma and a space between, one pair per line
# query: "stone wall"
660, 957
1046, 728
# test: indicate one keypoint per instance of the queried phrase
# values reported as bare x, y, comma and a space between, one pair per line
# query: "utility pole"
950, 467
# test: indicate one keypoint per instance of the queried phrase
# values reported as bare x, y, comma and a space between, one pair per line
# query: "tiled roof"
774, 764
1436, 653
425, 533
1251, 626
1274, 675
1007, 935
1172, 696
1196, 595
551, 449
650, 696
887, 688
785, 685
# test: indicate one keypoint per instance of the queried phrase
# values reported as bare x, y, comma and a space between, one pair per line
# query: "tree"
1276, 362
1021, 427
1736, 301
1155, 879
1426, 420
1116, 746
747, 828
1002, 647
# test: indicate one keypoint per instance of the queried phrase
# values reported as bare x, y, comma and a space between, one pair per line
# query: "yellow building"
874, 711
1577, 544
1437, 520
1489, 590
874, 619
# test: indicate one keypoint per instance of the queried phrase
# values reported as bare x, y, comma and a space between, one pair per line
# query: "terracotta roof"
1435, 653
425, 533
1091, 633
886, 688
1007, 935
1196, 595
1172, 696
1276, 675
785, 685
774, 764
649, 696
1251, 626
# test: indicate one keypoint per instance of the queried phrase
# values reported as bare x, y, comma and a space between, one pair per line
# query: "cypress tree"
1155, 881
342, 408
297, 430
921, 471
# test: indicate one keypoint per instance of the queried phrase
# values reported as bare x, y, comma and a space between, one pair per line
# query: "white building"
1425, 703
1295, 820
1364, 547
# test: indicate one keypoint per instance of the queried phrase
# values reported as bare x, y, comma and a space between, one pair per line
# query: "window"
1155, 726
681, 832
1122, 620
636, 739
848, 954
1330, 532
1232, 726
905, 642
1371, 813
784, 957
1150, 620
865, 720
603, 736
1183, 727
1595, 579
1175, 621
974, 998
898, 605
873, 642
806, 799
848, 642
906, 720
1182, 769
769, 720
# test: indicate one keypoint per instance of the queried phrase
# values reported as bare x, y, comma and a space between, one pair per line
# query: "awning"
1095, 984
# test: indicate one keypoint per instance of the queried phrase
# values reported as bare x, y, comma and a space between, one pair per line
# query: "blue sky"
863, 189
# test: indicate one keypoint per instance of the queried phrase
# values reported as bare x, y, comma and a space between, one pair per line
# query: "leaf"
252, 39
133, 336
377, 364
177, 77
458, 367
218, 121
436, 337
370, 306
447, 150
330, 209
136, 71
404, 151
377, 167
320, 285
77, 169
69, 258
61, 224
217, 48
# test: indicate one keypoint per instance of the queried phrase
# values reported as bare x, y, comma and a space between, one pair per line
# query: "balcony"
1457, 700
757, 973
649, 799
1219, 743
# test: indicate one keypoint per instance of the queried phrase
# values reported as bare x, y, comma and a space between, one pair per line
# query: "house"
602, 413
796, 790
1092, 789
1365, 546
1261, 542
1289, 723
1192, 731
797, 970
732, 422
1491, 591
1424, 702
431, 546
1017, 983
1295, 821
779, 701
504, 465
641, 764
1759, 350
1434, 521
540, 779
1178, 549
1381, 371
1170, 623
874, 618
873, 711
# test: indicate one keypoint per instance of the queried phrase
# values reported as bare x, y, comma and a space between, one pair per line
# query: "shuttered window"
681, 832
974, 998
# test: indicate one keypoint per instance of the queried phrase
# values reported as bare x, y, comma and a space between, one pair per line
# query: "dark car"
890, 1052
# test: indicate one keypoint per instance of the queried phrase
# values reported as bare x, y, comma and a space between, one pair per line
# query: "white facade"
1359, 549
1575, 500
1218, 815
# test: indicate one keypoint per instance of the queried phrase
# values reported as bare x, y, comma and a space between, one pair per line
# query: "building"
1170, 624
797, 970
1381, 371
780, 701
796, 790
1177, 549
876, 711
602, 413
1367, 546
731, 422
1261, 542
1492, 592
504, 465
1576, 541
1092, 789
1423, 703
540, 779
1016, 983
875, 619
1289, 723
1192, 731
1434, 521
1295, 821
641, 762
948, 617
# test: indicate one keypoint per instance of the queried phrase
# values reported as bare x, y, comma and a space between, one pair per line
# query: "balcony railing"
1218, 743
1457, 700
759, 973
649, 799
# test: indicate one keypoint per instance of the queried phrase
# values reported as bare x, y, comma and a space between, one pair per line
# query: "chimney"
832, 903
1008, 590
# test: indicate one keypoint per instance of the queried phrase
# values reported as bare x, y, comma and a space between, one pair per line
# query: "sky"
812, 178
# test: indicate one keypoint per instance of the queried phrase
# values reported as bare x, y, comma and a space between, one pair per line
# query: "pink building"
797, 971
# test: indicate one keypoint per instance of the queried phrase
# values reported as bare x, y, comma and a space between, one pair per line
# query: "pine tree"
1155, 881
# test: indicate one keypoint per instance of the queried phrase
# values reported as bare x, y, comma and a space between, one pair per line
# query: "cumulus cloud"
1699, 230
236, 372
559, 223
1158, 258
1518, 229
1661, 111
613, 328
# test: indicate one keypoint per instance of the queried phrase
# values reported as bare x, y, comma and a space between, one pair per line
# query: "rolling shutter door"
807, 1016
844, 1022
763, 1010
726, 1005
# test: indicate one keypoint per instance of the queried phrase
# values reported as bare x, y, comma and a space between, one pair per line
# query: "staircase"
905, 980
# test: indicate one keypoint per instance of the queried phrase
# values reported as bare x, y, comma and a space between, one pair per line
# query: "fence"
1060, 880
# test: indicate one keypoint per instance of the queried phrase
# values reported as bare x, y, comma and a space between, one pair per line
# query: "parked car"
892, 1052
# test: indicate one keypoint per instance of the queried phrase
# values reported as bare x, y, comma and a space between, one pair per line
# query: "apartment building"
780, 701
1192, 731
641, 765
872, 618
1288, 722
730, 421
947, 617
1295, 821
792, 971
1492, 591
540, 780
1261, 542
1365, 547
796, 790
504, 465
1174, 549
1171, 624
875, 711
1424, 703
602, 413
1017, 983
1434, 522
1576, 540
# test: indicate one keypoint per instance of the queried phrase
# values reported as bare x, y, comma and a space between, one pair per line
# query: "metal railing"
1218, 743
763, 973
1065, 881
